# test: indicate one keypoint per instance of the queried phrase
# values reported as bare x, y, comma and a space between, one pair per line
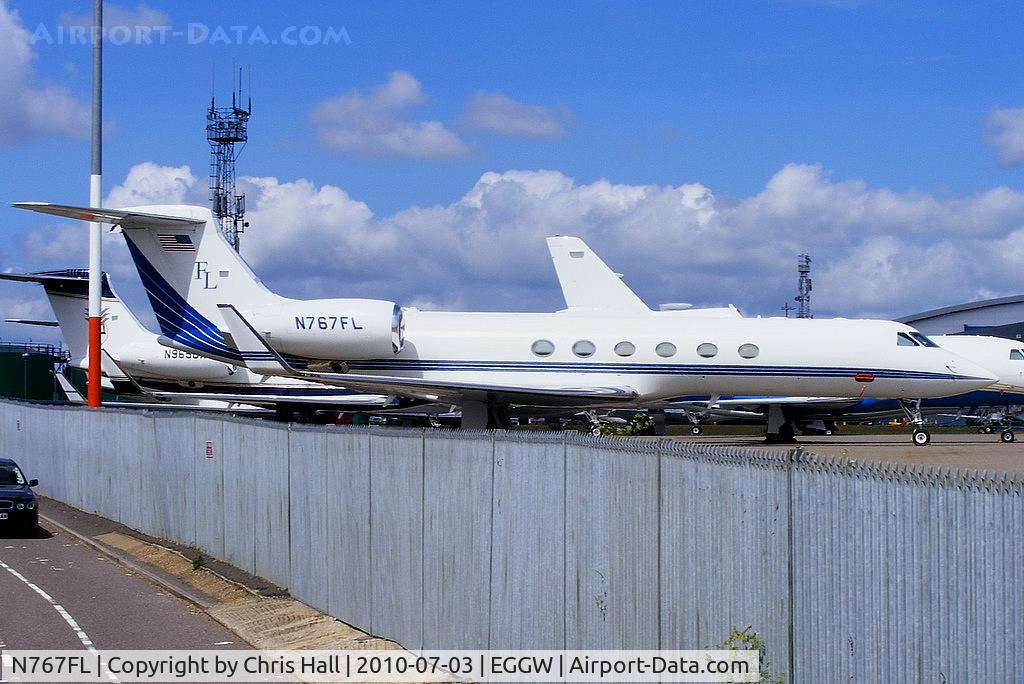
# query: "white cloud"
498, 113
142, 15
64, 244
876, 252
149, 183
1005, 134
378, 124
30, 107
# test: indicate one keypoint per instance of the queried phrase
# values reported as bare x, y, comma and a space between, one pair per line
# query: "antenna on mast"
803, 269
226, 127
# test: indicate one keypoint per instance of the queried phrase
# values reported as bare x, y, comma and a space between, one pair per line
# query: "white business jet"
134, 362
208, 301
588, 284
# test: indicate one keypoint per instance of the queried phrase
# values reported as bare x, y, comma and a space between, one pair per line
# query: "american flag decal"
176, 243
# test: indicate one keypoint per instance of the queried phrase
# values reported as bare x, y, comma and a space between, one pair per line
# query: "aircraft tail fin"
186, 267
68, 293
587, 282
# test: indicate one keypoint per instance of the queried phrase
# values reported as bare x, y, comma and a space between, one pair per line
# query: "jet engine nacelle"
333, 329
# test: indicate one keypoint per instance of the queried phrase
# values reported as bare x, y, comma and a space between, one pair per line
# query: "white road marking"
79, 632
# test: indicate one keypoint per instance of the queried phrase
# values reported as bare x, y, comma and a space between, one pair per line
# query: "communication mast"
226, 127
803, 268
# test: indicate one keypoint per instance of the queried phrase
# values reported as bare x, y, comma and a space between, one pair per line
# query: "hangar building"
1002, 317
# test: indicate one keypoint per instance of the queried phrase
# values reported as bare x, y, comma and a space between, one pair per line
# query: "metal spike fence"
848, 571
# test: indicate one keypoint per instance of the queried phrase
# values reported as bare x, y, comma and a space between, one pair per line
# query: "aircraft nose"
969, 372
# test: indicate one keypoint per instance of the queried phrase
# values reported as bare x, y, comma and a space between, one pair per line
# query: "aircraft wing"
29, 321
261, 358
783, 401
73, 395
365, 402
116, 217
1003, 387
736, 402
361, 401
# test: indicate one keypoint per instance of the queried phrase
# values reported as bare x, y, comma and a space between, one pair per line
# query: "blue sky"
884, 138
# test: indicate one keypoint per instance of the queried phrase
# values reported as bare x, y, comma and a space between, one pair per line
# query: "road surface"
57, 593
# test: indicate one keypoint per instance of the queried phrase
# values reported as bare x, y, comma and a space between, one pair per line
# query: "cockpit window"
905, 340
923, 340
1016, 355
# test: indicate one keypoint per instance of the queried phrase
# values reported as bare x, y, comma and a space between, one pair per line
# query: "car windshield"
10, 475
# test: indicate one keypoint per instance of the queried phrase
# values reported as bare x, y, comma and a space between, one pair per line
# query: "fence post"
792, 456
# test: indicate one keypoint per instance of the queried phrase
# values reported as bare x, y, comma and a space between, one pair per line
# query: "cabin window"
665, 349
543, 348
905, 340
748, 351
584, 348
923, 339
625, 348
1016, 355
707, 350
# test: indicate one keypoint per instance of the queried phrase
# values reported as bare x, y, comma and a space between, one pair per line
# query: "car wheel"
696, 430
1006, 437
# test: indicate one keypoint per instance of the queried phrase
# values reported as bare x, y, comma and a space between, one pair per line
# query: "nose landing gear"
912, 408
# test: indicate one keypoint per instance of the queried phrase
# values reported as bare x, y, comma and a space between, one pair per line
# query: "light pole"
95, 231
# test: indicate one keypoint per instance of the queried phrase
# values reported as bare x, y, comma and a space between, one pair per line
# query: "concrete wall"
857, 572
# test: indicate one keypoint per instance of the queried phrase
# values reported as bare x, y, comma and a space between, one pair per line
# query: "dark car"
18, 505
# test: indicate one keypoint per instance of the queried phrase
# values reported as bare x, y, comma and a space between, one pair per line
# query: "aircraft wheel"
921, 437
986, 430
829, 432
786, 433
696, 430
1006, 436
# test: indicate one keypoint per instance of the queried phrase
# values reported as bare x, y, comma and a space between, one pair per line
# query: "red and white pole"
93, 387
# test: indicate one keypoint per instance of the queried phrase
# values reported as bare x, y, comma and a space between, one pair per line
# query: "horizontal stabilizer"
28, 321
115, 217
69, 281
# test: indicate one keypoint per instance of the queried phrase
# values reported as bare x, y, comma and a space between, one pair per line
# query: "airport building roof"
1003, 317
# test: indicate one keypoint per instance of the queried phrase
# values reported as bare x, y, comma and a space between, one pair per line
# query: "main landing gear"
780, 428
912, 408
477, 415
697, 417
